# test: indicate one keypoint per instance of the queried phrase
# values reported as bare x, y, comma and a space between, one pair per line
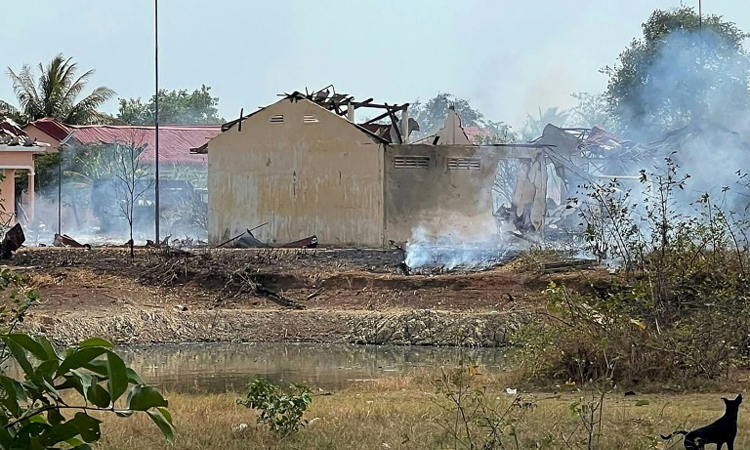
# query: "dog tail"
682, 432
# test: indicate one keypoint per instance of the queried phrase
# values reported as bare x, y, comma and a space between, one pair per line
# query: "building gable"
291, 117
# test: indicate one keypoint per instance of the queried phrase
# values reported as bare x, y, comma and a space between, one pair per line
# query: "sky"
508, 58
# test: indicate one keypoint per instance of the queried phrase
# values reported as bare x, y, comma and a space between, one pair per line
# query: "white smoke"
451, 251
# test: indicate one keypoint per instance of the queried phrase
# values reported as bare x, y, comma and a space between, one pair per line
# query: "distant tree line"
682, 69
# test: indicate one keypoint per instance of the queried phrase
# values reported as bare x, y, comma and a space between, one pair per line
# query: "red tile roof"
175, 141
475, 132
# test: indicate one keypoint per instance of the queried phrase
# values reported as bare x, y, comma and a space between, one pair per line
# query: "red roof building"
175, 141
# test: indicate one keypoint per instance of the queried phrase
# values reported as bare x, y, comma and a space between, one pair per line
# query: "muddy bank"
429, 327
131, 325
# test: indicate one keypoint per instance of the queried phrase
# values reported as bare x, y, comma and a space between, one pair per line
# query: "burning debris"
430, 257
13, 240
425, 254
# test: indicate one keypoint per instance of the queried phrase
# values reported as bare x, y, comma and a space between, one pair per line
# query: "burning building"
305, 166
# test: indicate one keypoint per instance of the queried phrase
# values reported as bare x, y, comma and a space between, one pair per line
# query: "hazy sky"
506, 57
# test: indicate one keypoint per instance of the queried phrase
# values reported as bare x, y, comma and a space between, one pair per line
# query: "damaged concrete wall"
452, 131
303, 170
443, 189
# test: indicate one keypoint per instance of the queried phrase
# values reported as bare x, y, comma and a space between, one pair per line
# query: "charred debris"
529, 206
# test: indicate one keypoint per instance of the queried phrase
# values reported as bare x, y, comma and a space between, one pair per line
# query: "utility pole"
700, 33
63, 145
156, 119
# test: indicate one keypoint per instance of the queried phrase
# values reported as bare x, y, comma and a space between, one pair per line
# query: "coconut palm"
534, 126
55, 93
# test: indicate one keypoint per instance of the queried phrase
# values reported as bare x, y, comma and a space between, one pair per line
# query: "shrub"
281, 411
475, 417
679, 308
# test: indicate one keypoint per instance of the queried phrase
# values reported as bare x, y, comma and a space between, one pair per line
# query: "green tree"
681, 69
431, 115
496, 133
592, 109
175, 107
56, 93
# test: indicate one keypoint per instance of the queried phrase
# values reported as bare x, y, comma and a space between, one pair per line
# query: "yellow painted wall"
323, 178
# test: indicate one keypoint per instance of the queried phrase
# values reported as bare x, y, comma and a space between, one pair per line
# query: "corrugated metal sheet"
52, 127
175, 142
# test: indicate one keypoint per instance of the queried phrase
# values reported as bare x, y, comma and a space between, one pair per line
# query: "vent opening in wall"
411, 162
310, 118
464, 164
278, 118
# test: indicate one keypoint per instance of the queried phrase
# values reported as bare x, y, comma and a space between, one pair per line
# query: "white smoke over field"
693, 104
91, 205
453, 251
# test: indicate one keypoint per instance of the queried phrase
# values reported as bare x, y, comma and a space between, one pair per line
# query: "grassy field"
406, 413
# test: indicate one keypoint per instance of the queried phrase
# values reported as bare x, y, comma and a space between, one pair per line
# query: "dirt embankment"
236, 295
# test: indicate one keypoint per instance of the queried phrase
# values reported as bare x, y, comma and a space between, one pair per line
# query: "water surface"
229, 367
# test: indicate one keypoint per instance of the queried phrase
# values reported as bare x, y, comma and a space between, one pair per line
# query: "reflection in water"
229, 367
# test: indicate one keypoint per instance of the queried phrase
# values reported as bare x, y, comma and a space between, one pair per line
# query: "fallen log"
276, 298
564, 266
308, 242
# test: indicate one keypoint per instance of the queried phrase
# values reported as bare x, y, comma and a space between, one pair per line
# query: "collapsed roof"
344, 105
11, 135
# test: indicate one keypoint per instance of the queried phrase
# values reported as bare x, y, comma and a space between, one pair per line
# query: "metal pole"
700, 33
59, 192
60, 148
156, 118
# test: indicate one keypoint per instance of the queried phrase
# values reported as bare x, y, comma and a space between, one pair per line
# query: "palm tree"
56, 91
533, 126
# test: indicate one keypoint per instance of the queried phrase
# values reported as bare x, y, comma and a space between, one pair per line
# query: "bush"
474, 416
281, 412
679, 308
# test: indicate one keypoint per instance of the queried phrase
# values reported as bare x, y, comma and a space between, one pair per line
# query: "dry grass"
403, 413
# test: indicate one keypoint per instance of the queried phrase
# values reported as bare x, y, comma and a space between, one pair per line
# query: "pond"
229, 367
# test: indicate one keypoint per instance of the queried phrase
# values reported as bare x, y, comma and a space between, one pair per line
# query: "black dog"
721, 432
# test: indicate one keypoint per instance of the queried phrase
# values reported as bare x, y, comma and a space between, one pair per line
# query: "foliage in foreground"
87, 378
57, 401
281, 411
473, 416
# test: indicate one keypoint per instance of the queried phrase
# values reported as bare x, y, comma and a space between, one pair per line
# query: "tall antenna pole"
156, 118
700, 33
